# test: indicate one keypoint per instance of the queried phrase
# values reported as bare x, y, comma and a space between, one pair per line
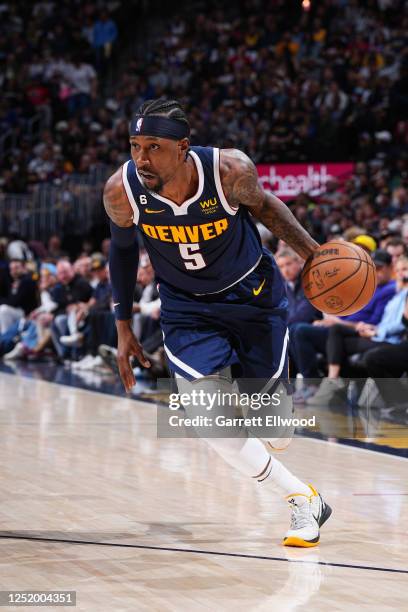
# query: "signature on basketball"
330, 273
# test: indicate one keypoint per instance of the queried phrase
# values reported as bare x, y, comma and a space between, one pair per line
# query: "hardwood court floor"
91, 501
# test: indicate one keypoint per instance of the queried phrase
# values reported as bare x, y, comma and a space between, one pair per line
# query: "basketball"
340, 278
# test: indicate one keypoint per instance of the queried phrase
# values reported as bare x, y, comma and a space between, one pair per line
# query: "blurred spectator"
71, 294
388, 363
396, 248
31, 336
99, 321
82, 81
83, 267
146, 318
21, 298
54, 249
104, 35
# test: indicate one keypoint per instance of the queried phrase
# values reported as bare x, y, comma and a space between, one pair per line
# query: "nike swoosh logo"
148, 210
117, 304
258, 291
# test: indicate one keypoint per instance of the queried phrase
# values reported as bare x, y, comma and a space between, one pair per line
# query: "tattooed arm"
240, 184
116, 202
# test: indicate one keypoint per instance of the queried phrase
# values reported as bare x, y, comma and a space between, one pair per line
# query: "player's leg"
261, 343
249, 456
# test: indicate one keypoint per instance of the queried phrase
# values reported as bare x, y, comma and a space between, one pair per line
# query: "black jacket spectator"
22, 293
77, 290
103, 296
300, 309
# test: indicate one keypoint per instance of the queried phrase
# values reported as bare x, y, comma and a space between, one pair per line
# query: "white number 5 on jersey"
192, 260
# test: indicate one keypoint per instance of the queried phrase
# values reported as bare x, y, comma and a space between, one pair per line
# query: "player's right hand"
128, 347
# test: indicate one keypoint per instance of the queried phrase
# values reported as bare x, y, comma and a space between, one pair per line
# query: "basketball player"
222, 296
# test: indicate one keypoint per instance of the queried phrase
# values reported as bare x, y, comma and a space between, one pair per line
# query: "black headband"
162, 127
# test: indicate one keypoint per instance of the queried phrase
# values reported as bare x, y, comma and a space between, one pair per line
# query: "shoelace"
301, 515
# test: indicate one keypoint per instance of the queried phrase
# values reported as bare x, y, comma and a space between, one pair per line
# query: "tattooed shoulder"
239, 178
116, 202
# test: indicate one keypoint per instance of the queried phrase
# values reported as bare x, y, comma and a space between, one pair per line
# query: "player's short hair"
162, 107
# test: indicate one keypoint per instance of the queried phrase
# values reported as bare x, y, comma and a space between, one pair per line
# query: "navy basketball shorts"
243, 327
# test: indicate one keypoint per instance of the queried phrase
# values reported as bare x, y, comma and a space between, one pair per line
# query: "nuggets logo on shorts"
186, 233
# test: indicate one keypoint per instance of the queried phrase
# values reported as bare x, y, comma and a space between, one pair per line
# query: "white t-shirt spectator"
57, 67
81, 77
41, 166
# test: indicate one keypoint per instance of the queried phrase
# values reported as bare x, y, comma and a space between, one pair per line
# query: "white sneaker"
100, 365
15, 353
308, 514
72, 340
90, 363
330, 389
83, 364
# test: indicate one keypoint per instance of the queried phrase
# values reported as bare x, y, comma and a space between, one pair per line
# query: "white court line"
351, 447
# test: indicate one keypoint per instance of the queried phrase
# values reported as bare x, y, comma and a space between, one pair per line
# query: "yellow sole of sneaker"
299, 543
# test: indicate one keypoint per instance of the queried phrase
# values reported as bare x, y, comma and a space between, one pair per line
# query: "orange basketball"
339, 278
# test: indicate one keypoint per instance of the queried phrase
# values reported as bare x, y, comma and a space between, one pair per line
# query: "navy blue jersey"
202, 246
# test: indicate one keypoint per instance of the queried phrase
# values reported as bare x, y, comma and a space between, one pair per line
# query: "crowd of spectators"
54, 308
284, 83
280, 82
54, 60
